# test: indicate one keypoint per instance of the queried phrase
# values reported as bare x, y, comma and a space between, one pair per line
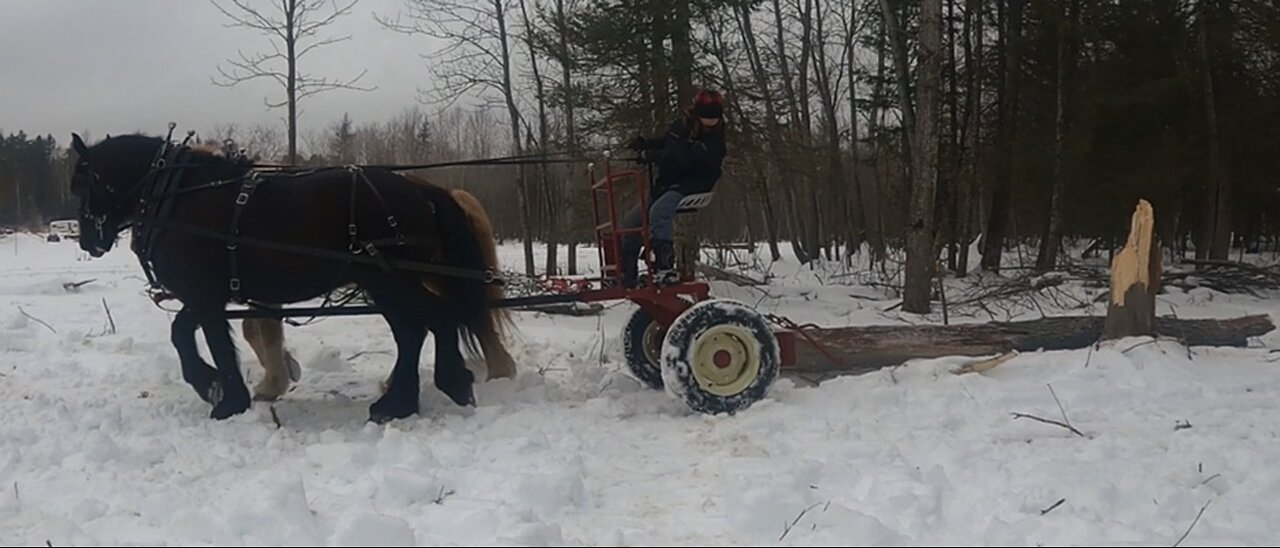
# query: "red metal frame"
663, 303
609, 234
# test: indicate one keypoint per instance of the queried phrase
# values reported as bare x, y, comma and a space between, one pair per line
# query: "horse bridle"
161, 161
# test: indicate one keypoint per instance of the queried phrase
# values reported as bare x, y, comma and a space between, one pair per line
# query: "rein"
161, 184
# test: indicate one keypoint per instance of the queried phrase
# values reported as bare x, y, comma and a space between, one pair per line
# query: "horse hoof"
230, 406
269, 391
222, 411
463, 396
458, 387
385, 410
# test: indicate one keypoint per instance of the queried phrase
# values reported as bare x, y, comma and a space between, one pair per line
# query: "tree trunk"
920, 248
685, 232
659, 79
880, 184
681, 56
509, 94
973, 177
1052, 240
291, 79
1002, 194
857, 198
1218, 205
551, 227
789, 90
1135, 279
831, 126
899, 41
571, 135
955, 160
867, 348
774, 136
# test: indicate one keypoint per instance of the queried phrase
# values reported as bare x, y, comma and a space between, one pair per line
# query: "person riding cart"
689, 159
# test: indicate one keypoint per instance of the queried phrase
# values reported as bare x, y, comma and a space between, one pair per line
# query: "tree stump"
686, 244
1135, 279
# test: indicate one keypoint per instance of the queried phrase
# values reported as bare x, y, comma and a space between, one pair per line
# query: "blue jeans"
662, 214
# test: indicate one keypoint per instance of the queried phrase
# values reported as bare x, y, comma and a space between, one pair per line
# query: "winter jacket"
689, 165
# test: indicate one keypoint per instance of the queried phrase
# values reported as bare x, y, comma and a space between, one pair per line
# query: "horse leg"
403, 307
498, 362
198, 373
235, 396
400, 399
452, 376
266, 337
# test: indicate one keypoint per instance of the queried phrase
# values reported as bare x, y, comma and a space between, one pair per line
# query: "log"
1135, 279
565, 309
712, 273
867, 348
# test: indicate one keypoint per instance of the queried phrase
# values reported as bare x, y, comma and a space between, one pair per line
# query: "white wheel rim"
726, 359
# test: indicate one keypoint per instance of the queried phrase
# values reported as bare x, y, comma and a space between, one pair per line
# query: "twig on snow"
1193, 524
443, 495
1052, 508
24, 313
1061, 410
787, 528
1048, 421
110, 320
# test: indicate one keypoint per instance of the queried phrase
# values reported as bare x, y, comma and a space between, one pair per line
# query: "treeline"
1014, 121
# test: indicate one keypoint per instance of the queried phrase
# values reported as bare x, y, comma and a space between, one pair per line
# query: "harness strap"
487, 276
153, 200
246, 190
370, 247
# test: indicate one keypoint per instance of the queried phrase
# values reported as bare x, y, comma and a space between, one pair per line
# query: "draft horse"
266, 335
211, 230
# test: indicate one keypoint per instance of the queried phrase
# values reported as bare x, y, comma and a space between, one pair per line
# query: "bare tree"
920, 249
296, 27
477, 58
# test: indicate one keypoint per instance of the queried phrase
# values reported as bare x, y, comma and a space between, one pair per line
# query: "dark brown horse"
211, 230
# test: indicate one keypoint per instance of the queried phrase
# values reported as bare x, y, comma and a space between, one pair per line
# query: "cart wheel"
642, 344
719, 357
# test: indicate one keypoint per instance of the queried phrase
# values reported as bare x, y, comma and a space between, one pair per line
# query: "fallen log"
867, 348
721, 274
565, 309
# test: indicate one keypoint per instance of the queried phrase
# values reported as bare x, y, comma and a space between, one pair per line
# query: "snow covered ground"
102, 443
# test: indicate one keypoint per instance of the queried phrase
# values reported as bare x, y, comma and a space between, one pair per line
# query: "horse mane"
208, 148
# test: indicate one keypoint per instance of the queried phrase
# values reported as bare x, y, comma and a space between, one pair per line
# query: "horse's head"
108, 179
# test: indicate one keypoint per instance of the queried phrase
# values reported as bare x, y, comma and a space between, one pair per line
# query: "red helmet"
708, 104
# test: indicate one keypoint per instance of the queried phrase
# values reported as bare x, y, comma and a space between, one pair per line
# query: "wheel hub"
726, 359
723, 358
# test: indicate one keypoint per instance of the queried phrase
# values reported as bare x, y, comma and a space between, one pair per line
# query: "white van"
64, 228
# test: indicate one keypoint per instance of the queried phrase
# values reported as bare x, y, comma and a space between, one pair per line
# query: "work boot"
628, 264
664, 263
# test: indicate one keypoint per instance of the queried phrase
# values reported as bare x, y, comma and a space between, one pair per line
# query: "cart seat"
694, 202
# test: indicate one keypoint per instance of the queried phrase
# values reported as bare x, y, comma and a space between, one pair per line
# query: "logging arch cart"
716, 355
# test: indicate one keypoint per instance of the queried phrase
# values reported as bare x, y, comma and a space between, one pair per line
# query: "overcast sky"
120, 66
